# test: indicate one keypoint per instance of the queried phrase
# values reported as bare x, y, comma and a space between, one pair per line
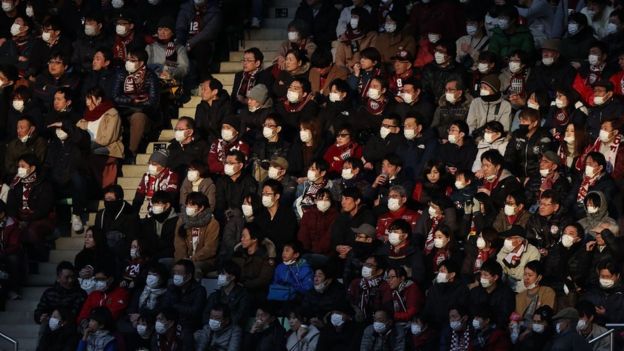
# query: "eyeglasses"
266, 125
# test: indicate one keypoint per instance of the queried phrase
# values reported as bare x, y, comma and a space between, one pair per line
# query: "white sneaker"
255, 22
77, 225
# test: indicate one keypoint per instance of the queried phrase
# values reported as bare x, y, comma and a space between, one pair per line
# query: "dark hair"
518, 196
255, 231
468, 175
341, 85
214, 83
438, 165
197, 198
23, 92
395, 118
103, 316
115, 189
321, 58
301, 27
579, 18
595, 198
295, 246
545, 312
393, 159
275, 185
170, 313
530, 114
64, 265
550, 194
239, 155
189, 266
382, 262
451, 265
54, 22
306, 86
462, 126
106, 52
488, 56
461, 309
398, 270
161, 270
105, 269
200, 166
66, 91
609, 265
322, 192
223, 308
494, 157
31, 160
321, 164
402, 225
231, 268
508, 11
299, 55
492, 267
59, 55
140, 54
535, 266
495, 126
578, 227
258, 55
162, 197
598, 158
366, 20
355, 162
372, 54
352, 192
10, 71
449, 46
96, 92
276, 117
586, 309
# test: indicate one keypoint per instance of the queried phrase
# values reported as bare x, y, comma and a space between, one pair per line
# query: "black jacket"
46, 86
180, 157
59, 297
323, 24
31, 109
65, 158
336, 114
159, 234
567, 266
208, 118
84, 49
151, 90
319, 304
282, 229
376, 148
416, 153
63, 339
189, 301
40, 201
434, 78
543, 232
422, 108
40, 54
502, 301
271, 339
230, 194
440, 298
549, 78
346, 339
341, 233
263, 150
239, 302
290, 129
262, 77
523, 155
104, 78
460, 157
598, 114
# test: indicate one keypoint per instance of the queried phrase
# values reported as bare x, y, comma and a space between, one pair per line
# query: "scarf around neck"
135, 82
199, 220
98, 111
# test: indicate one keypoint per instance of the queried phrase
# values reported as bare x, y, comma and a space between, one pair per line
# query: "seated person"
402, 252
515, 213
493, 293
278, 221
302, 333
169, 60
315, 226
98, 327
407, 296
54, 41
535, 295
234, 186
231, 294
59, 332
169, 332
371, 291
342, 150
198, 180
397, 209
149, 298
158, 177
327, 295
22, 103
448, 290
251, 75
266, 332
230, 140
159, 229
270, 146
107, 294
220, 332
95, 253
383, 331
101, 73
294, 273
142, 338
487, 331
56, 76
379, 145
187, 147
64, 296
26, 141
316, 179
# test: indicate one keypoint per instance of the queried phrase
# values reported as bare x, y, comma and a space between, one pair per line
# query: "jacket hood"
467, 100
301, 70
602, 210
266, 247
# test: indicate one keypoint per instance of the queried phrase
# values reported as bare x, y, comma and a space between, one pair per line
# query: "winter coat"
574, 48
208, 28
499, 145
230, 194
597, 114
422, 108
64, 158
298, 276
208, 118
335, 72
502, 301
281, 229
336, 155
567, 268
238, 300
513, 274
389, 44
612, 251
40, 54
206, 187
481, 112
603, 184
108, 133
545, 297
569, 340
367, 301
507, 184
57, 297
227, 338
151, 90
434, 78
393, 339
180, 156
84, 49
40, 201
46, 85
503, 43
115, 299
385, 220
189, 301
104, 78
208, 237
319, 304
460, 157
440, 297
347, 338
611, 299
292, 117
502, 224
16, 148
285, 78
165, 180
447, 113
157, 60
416, 153
321, 21
256, 269
307, 343
344, 51
545, 232
63, 339
407, 301
410, 257
549, 78
262, 76
341, 230
315, 230
218, 151
272, 338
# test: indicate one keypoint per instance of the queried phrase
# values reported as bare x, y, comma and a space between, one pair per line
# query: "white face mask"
503, 23
488, 137
593, 59
336, 320
292, 96
227, 134
253, 109
604, 136
267, 132
612, 28
179, 135
599, 100
455, 325
589, 171
390, 27
222, 280
87, 284
569, 139
483, 67
334, 97
606, 283
7, 6
160, 327
432, 212
514, 67
18, 105
452, 138
567, 240
178, 280
152, 170
305, 135
509, 210
532, 105
158, 209
134, 253
544, 172
471, 29
15, 29
547, 61
323, 205
433, 37
442, 278
267, 201
394, 204
407, 98
90, 30
409, 134
347, 174
120, 30
538, 328
247, 210
484, 92
131, 67
53, 323
592, 209
22, 172
30, 12
459, 185
439, 57
439, 243
117, 4
481, 243
191, 211
293, 37
415, 328
573, 28
581, 325
394, 239
141, 329
100, 285
354, 22
367, 272
273, 173
383, 132
379, 327
560, 103
373, 94
508, 245
312, 175
192, 175
450, 97
46, 36
61, 134
476, 323
151, 281
214, 324
229, 170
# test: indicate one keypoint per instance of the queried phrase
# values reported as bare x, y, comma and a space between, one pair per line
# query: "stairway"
17, 321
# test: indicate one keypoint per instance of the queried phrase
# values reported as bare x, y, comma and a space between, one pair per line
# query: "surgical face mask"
394, 239
22, 172
606, 283
30, 12
90, 30
442, 278
214, 324
439, 243
544, 172
532, 105
323, 205
192, 175
439, 57
484, 92
334, 97
486, 283
87, 285
178, 279
158, 209
547, 61
450, 97
604, 136
433, 37
591, 13
599, 100
292, 96
18, 105
7, 6
383, 132
354, 23
247, 210
476, 324
581, 325
141, 329
409, 134
514, 67
53, 323
488, 137
390, 27
379, 327
336, 320
593, 59
471, 29
589, 171
190, 211
373, 94
273, 173
100, 285
612, 28
573, 28
227, 134
121, 30
61, 134
432, 212
592, 209
415, 328
179, 135
481, 243
151, 281
222, 280
508, 245
160, 327
503, 23
312, 175
134, 253
131, 67
117, 4
305, 135
509, 210
347, 174
538, 328
367, 272
407, 98
560, 103
229, 170
455, 325
46, 36
267, 201
15, 29
569, 139
293, 37
267, 132
394, 204
567, 240
253, 109
452, 138
483, 67
152, 170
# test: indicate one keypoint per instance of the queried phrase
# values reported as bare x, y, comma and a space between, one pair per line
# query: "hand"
590, 245
86, 333
543, 252
368, 166
600, 310
301, 180
165, 75
22, 59
465, 47
55, 125
576, 64
2, 41
302, 331
380, 180
377, 201
357, 68
44, 318
281, 62
140, 100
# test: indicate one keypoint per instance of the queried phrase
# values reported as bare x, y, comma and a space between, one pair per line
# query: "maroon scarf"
121, 45
98, 111
298, 106
135, 82
376, 107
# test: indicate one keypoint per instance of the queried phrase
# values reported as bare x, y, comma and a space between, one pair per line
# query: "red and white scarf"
375, 107
513, 258
135, 82
585, 184
429, 241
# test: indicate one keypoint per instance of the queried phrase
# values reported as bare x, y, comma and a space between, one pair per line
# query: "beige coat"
346, 57
334, 73
109, 133
389, 44
207, 243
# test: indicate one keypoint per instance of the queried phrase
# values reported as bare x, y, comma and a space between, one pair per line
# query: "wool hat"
551, 44
515, 230
234, 121
552, 157
160, 157
365, 229
167, 22
279, 162
492, 81
259, 93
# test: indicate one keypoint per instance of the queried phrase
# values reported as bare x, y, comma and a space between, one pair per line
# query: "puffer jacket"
315, 230
212, 21
503, 44
545, 232
208, 117
319, 304
597, 114
611, 299
481, 112
434, 78
523, 155
299, 276
447, 113
257, 269
567, 267
59, 297
238, 300
151, 90
66, 157
225, 339
189, 301
499, 145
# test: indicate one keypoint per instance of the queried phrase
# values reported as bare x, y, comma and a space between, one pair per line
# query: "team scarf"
135, 82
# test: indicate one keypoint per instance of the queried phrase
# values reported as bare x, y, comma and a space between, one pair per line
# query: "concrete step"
268, 45
16, 317
19, 306
141, 159
72, 243
268, 34
34, 292
134, 171
57, 256
129, 183
45, 279
187, 111
152, 145
48, 268
236, 66
195, 100
166, 134
237, 56
279, 23
225, 78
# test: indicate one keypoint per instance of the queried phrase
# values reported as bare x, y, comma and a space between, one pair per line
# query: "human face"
571, 231
208, 94
367, 64
24, 128
249, 62
129, 26
510, 201
393, 194
550, 53
545, 163
218, 316
605, 274
60, 102
372, 264
320, 174
56, 67
66, 278
401, 67
607, 126
54, 34
454, 130
376, 84
489, 168
455, 316
451, 87
529, 277
292, 63
589, 161
99, 61
165, 33
179, 269
289, 254
263, 317
348, 204
389, 169
602, 91
434, 175
246, 240
440, 236
334, 89
442, 50
393, 279
89, 240
23, 164
267, 191
23, 26
298, 88
343, 137
390, 124
547, 207
182, 125
597, 52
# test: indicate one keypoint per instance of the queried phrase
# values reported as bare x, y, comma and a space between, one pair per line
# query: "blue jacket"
298, 275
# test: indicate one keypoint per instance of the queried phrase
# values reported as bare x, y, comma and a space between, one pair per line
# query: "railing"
10, 339
608, 333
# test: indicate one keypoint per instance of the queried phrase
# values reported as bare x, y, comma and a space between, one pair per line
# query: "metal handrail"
9, 339
608, 333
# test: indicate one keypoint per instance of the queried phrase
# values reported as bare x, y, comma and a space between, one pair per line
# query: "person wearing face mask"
341, 333
230, 140
316, 224
577, 40
444, 17
197, 234
588, 328
554, 70
59, 333
186, 147
339, 110
489, 106
402, 252
544, 228
365, 69
197, 179
420, 336
509, 34
607, 294
234, 186
447, 290
296, 67
230, 293
92, 38
317, 178
566, 336
170, 60
259, 105
498, 182
299, 38
475, 41
56, 78
529, 301
402, 62
252, 75
141, 338
598, 13
603, 105
494, 138
266, 332
353, 175
443, 69
371, 291
52, 40
596, 68
514, 255
125, 38
392, 40
594, 178
397, 209
410, 100
345, 17
492, 294
158, 177
419, 145
323, 72
566, 109
383, 333
514, 213
277, 220
107, 294
149, 295
607, 144
212, 110
444, 248
94, 253
460, 149
134, 270
488, 334
386, 141
219, 333
22, 103
97, 330
485, 65
452, 105
359, 35
408, 299
327, 295
538, 335
303, 334
170, 335
602, 247
294, 274
514, 78
270, 146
